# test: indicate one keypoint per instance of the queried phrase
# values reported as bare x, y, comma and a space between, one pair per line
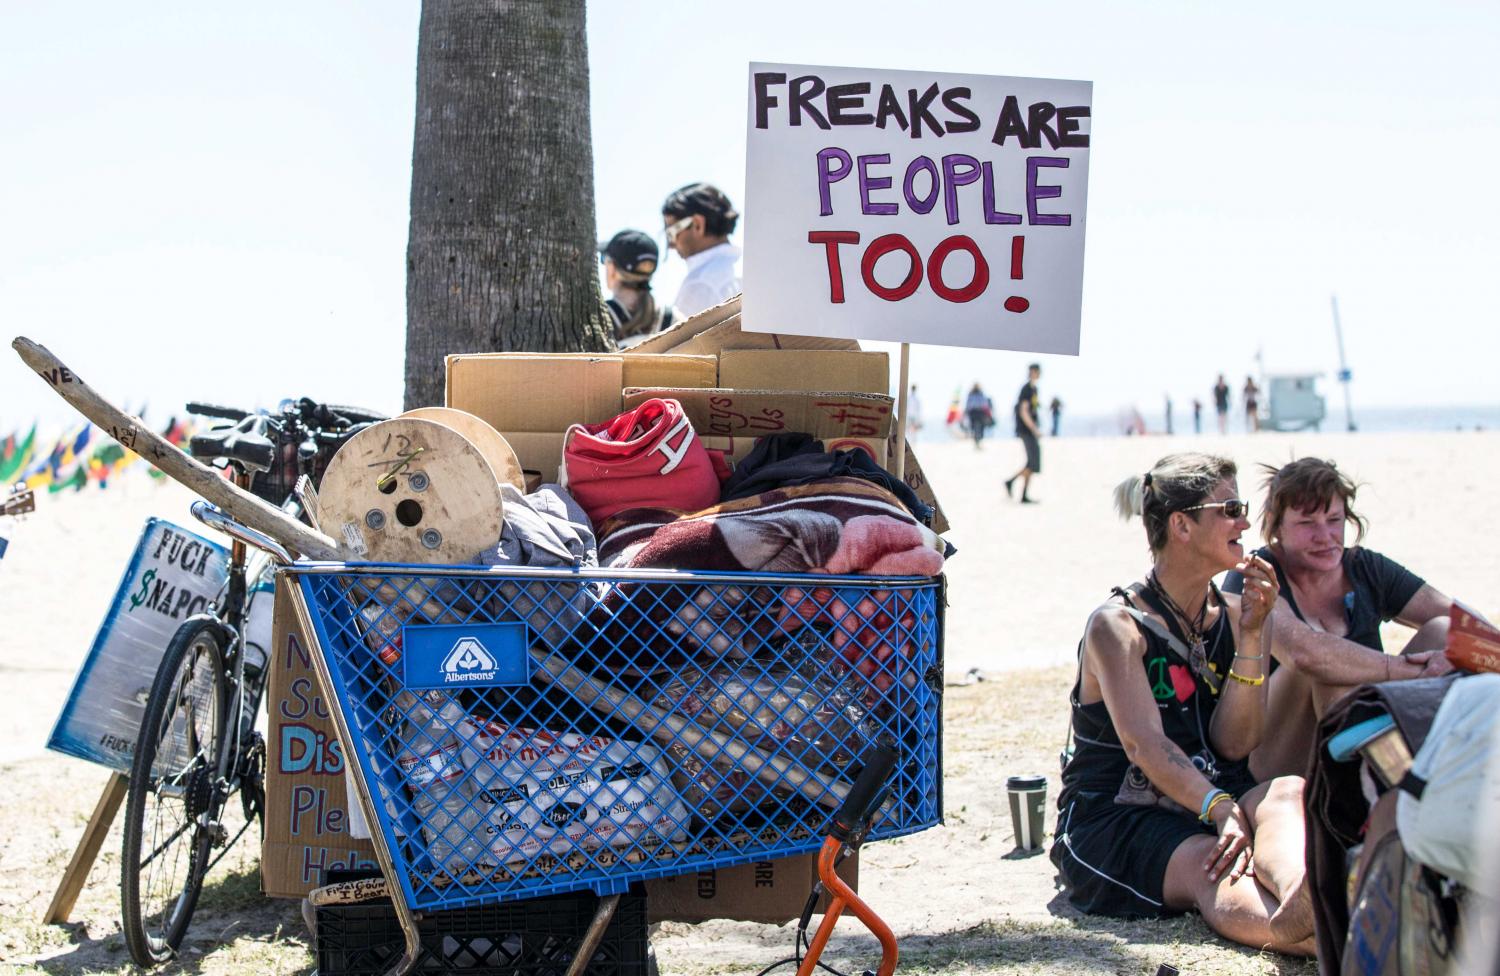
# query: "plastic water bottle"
440, 788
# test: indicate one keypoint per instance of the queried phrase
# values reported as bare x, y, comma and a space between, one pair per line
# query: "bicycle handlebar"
866, 793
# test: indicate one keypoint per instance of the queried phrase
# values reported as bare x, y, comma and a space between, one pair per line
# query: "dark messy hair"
1306, 485
1176, 482
719, 216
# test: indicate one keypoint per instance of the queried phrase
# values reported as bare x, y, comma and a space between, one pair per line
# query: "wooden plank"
77, 871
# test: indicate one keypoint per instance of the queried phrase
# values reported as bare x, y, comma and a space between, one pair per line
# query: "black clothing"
1335, 803
619, 316
1033, 450
779, 460
1381, 589
1221, 397
1115, 831
1028, 395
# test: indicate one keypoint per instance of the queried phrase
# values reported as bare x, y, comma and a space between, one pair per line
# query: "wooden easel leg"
77, 870
594, 935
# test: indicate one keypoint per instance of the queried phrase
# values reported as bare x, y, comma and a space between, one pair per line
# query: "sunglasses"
674, 229
1233, 508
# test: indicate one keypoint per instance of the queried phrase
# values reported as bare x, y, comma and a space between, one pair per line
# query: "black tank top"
1185, 701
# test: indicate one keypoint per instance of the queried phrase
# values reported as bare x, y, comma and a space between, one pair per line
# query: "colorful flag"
15, 456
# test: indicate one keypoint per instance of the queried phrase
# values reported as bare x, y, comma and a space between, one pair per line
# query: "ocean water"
1372, 420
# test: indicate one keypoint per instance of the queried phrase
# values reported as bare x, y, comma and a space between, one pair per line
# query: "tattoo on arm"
1176, 758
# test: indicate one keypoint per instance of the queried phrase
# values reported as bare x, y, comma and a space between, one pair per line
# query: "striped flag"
14, 456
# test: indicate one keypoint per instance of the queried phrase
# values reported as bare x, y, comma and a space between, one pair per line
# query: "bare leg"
1291, 724
1431, 636
1277, 816
1240, 911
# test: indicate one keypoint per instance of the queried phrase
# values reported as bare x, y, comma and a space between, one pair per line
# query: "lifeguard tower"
1295, 403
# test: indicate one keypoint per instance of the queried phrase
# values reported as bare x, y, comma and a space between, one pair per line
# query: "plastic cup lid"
1026, 783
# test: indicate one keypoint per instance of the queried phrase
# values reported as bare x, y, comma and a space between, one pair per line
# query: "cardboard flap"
689, 327
756, 413
536, 392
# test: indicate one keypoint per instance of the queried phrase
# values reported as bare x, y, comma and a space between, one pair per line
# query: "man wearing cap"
699, 219
629, 260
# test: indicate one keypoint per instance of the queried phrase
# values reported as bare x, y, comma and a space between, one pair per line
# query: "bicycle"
197, 745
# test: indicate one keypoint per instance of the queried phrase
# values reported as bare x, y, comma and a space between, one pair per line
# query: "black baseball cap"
632, 251
706, 199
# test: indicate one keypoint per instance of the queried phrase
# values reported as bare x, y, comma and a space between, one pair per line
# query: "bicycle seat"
244, 443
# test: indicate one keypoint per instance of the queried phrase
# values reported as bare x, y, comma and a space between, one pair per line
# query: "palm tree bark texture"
501, 249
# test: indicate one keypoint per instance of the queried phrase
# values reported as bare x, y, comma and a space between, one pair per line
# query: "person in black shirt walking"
1028, 403
1221, 404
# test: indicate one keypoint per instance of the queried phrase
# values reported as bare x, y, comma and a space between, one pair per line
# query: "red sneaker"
648, 457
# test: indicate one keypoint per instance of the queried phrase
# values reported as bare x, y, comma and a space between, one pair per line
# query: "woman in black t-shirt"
1333, 601
1157, 813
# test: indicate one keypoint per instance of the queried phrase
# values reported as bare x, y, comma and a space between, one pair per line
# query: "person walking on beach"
1029, 433
629, 261
979, 410
1056, 407
699, 219
1252, 406
1197, 416
913, 414
1169, 414
1221, 403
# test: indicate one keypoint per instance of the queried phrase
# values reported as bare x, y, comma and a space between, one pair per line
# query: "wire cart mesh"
517, 733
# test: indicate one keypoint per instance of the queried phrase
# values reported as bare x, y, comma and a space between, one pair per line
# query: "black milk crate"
535, 937
516, 733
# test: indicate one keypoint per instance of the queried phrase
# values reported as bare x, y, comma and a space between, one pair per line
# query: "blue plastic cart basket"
516, 733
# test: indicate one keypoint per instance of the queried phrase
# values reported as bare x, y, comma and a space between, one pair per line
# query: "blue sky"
207, 201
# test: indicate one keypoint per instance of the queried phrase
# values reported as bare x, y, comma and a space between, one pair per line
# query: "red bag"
648, 457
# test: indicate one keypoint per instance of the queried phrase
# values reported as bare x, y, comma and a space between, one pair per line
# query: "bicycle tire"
191, 674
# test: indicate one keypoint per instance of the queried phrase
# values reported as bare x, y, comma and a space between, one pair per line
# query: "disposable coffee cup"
1028, 809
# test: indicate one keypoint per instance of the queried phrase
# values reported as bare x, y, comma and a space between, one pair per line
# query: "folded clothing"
835, 525
647, 457
782, 460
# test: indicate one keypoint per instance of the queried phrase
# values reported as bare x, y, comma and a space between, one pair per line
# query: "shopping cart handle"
864, 795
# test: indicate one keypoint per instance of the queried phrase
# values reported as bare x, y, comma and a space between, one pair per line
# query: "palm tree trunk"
500, 255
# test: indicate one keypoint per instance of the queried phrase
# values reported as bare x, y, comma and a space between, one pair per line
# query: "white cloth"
1451, 829
713, 277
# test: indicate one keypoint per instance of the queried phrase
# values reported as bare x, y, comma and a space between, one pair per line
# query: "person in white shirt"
699, 219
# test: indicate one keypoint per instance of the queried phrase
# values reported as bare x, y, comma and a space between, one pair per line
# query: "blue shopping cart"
517, 732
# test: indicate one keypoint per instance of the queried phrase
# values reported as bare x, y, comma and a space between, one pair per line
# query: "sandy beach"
1021, 586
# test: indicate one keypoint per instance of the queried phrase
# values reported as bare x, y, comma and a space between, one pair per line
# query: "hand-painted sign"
916, 206
173, 574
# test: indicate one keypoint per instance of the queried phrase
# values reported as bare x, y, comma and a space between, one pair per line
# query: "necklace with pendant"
1197, 651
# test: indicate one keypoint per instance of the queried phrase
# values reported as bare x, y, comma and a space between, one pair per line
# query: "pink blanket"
839, 525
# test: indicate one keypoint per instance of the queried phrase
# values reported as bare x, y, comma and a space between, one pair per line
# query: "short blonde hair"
1176, 482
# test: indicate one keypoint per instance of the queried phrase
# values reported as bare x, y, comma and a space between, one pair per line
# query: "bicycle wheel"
171, 805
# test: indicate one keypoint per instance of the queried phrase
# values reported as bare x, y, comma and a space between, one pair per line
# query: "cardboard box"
306, 831
535, 393
805, 369
736, 448
755, 413
532, 398
766, 891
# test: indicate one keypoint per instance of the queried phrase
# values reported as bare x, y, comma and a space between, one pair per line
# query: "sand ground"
959, 896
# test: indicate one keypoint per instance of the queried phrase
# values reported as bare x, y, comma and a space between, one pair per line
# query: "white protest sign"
916, 206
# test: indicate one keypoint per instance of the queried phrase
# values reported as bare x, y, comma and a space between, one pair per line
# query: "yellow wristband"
1252, 682
1209, 813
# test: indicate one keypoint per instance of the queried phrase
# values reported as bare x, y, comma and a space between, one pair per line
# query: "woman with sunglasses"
1332, 602
1158, 813
698, 220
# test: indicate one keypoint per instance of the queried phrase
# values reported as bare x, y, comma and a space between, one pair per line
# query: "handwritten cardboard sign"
916, 206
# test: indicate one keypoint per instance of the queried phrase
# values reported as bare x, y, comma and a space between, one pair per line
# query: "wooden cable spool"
486, 439
412, 491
